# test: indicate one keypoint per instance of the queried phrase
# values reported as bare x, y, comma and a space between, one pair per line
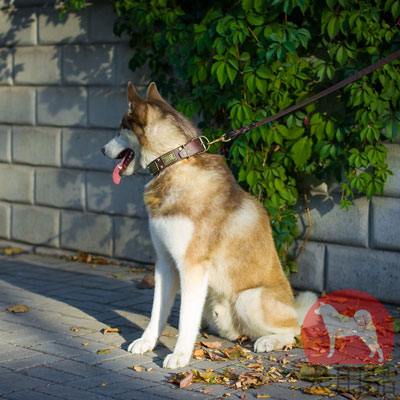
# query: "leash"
228, 136
202, 144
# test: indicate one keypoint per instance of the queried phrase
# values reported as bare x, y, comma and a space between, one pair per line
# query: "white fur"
303, 303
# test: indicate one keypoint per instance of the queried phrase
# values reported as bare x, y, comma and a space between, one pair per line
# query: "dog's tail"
303, 303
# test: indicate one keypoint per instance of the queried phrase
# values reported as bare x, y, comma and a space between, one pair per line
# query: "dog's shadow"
89, 299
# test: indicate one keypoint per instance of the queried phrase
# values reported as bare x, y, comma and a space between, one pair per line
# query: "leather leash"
201, 144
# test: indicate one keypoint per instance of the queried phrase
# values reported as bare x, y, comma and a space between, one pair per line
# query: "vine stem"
307, 208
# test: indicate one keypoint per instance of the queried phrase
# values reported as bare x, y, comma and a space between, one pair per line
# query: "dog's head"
150, 128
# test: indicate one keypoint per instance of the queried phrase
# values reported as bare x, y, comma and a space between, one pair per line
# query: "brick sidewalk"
42, 352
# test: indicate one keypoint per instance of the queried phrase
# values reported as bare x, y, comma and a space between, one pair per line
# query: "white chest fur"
173, 234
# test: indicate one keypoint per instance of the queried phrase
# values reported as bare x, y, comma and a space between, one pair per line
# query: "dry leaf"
254, 365
74, 329
212, 345
242, 339
137, 368
147, 282
118, 276
111, 330
104, 384
85, 344
262, 396
319, 390
149, 369
205, 334
206, 390
186, 381
198, 353
103, 351
18, 308
10, 251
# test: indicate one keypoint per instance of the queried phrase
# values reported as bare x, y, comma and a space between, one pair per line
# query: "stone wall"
62, 94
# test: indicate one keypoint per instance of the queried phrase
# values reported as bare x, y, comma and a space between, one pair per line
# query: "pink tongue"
116, 176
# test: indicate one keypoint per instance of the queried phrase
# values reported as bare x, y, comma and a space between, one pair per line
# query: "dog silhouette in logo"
339, 326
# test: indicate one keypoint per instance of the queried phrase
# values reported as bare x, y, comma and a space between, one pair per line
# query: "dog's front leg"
166, 285
194, 280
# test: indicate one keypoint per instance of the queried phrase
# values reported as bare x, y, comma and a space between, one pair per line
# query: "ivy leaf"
333, 27
396, 9
301, 152
255, 19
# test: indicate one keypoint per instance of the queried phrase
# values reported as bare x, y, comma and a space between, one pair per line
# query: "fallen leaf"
147, 282
103, 351
205, 334
227, 395
104, 384
213, 356
262, 396
18, 308
74, 329
212, 345
149, 369
244, 397
206, 390
198, 353
137, 368
186, 381
319, 390
85, 344
111, 330
10, 251
118, 276
242, 339
396, 325
254, 365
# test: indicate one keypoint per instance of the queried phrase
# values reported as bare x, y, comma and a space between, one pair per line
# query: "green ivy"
235, 62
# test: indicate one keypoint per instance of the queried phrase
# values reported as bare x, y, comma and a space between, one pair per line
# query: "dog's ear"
153, 94
133, 97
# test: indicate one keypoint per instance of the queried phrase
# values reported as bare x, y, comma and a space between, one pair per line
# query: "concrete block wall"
62, 94
357, 249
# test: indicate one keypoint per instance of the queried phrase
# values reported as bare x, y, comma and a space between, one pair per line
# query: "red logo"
347, 327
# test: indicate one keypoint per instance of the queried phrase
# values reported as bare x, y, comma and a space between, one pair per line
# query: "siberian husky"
210, 236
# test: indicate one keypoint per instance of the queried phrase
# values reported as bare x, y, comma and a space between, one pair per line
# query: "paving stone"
10, 353
89, 65
68, 393
18, 27
94, 382
81, 148
17, 105
13, 382
72, 29
50, 374
126, 198
38, 225
60, 188
36, 145
62, 106
58, 350
88, 232
29, 394
37, 65
42, 359
385, 223
169, 392
5, 143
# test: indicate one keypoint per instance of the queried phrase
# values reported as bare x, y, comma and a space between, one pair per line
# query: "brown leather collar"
197, 145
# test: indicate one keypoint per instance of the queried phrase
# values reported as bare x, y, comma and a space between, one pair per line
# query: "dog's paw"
174, 361
140, 346
272, 342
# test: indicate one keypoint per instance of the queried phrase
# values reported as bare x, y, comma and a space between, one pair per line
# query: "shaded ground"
51, 351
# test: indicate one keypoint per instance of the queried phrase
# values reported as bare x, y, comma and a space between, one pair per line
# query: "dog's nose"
103, 150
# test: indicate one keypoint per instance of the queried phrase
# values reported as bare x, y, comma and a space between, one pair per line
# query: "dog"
339, 326
211, 238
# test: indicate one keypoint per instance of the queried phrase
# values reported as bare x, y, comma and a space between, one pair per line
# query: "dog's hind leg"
194, 281
166, 285
263, 316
